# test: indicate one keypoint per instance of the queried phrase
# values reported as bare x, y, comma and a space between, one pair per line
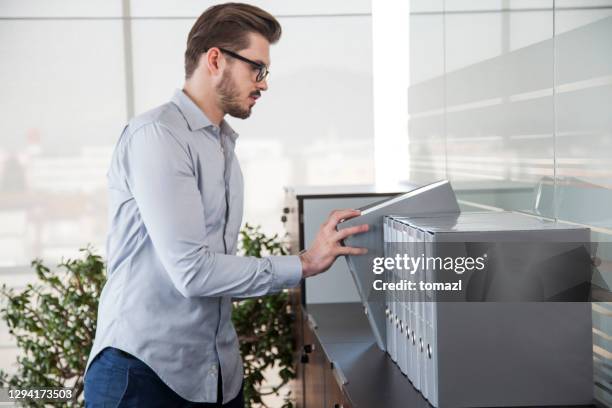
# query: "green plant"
264, 326
54, 324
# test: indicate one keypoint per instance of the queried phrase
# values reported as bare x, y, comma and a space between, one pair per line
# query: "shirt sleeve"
160, 174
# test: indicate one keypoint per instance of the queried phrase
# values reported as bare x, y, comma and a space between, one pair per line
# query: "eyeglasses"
263, 72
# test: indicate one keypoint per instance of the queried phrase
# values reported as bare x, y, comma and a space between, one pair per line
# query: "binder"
427, 312
431, 355
399, 352
433, 198
408, 316
420, 307
394, 304
401, 339
388, 231
402, 247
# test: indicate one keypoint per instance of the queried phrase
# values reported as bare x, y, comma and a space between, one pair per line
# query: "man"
164, 335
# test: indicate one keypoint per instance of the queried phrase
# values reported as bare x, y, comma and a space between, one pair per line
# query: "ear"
213, 61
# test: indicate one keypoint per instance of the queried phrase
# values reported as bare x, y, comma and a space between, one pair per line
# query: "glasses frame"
263, 73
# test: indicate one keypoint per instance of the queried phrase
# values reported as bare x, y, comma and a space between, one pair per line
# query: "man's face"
238, 88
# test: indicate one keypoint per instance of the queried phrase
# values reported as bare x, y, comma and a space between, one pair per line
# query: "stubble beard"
228, 98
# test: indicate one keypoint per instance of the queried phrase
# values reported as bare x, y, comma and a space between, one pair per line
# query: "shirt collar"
196, 119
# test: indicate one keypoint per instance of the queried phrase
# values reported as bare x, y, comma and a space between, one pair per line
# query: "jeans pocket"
105, 383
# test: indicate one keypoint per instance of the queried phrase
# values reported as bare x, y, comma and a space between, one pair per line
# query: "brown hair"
227, 26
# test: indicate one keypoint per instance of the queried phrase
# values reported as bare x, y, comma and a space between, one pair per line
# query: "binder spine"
393, 316
420, 344
432, 355
405, 249
401, 343
387, 278
413, 314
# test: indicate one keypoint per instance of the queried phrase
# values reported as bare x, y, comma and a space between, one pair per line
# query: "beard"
229, 98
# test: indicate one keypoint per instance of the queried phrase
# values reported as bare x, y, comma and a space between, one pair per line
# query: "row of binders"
518, 332
410, 337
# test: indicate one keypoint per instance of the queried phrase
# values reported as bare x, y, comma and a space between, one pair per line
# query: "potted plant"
54, 323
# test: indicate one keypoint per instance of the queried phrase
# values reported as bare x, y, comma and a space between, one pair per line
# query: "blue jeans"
116, 379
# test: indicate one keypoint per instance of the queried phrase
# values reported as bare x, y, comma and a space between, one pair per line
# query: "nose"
263, 85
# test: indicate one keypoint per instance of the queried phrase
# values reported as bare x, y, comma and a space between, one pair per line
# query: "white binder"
394, 303
405, 249
431, 357
401, 339
433, 198
388, 232
412, 350
420, 306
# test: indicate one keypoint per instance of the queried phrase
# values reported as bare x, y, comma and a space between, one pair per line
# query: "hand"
326, 246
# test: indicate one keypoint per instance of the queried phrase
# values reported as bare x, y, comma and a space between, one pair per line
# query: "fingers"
336, 216
358, 229
352, 251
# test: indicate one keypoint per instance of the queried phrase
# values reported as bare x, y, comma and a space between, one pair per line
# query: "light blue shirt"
175, 210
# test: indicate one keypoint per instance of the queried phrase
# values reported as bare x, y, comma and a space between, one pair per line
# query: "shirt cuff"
287, 271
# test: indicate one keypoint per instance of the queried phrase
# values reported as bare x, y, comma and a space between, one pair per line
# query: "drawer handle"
337, 371
312, 323
309, 348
